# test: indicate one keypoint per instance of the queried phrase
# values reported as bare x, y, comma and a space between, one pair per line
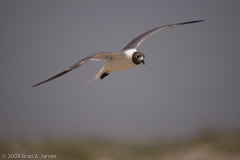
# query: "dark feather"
138, 40
103, 55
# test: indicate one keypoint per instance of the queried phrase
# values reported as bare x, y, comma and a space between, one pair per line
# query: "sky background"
191, 80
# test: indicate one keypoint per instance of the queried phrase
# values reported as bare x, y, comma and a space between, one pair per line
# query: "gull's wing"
137, 41
94, 56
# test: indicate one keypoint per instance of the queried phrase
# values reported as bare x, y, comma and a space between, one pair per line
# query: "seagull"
125, 59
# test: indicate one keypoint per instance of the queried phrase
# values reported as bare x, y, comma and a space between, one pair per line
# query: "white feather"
130, 52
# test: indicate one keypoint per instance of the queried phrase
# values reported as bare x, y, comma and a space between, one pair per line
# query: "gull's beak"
143, 62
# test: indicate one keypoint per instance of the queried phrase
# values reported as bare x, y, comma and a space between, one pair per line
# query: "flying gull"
125, 59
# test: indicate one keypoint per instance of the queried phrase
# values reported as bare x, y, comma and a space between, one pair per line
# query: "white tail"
97, 76
94, 78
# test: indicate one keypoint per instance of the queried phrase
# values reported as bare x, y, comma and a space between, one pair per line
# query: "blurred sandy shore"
207, 146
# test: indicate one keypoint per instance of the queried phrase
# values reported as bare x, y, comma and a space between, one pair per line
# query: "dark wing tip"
81, 62
36, 85
56, 76
192, 22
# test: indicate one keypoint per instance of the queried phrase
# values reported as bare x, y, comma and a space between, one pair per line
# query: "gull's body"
125, 59
118, 62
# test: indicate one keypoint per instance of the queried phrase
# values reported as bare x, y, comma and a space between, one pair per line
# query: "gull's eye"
137, 55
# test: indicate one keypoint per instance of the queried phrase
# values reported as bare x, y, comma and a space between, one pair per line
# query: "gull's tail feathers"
96, 77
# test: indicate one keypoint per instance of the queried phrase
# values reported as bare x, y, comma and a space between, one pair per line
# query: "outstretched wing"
137, 41
94, 56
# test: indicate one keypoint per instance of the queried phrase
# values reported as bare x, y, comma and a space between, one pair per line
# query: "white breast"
123, 63
118, 65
